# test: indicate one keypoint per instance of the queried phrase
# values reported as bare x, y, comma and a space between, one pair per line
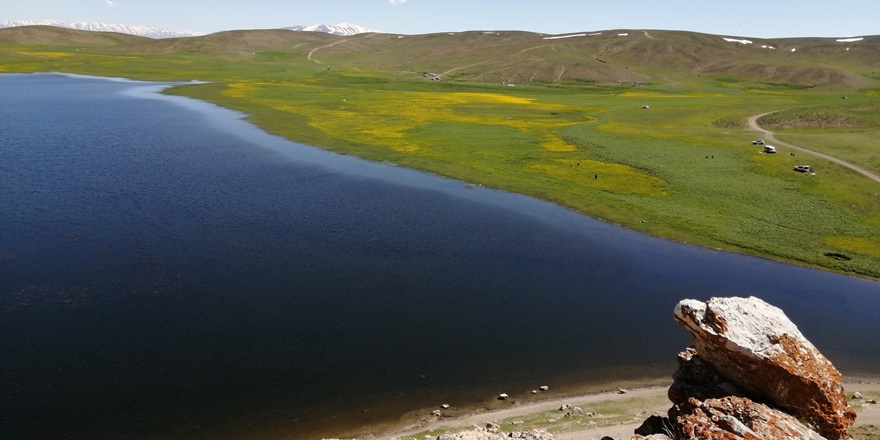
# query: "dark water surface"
169, 271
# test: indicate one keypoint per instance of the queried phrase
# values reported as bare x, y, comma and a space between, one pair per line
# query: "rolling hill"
58, 36
600, 57
141, 31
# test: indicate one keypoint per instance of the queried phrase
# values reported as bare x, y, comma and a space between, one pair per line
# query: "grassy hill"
56, 36
618, 56
558, 117
601, 57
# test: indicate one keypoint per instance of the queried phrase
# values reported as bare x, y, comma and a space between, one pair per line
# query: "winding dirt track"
768, 135
312, 52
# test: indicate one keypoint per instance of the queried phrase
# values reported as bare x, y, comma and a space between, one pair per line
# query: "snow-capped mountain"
342, 29
143, 31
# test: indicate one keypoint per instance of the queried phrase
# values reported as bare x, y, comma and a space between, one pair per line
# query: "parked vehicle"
769, 149
803, 168
758, 142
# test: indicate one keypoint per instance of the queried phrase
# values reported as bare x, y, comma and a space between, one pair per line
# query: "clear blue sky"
749, 18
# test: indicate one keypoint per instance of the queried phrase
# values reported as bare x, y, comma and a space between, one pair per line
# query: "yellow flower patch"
615, 178
240, 90
860, 245
553, 143
670, 95
384, 118
51, 54
397, 120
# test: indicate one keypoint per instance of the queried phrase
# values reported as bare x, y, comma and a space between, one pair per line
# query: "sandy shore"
612, 413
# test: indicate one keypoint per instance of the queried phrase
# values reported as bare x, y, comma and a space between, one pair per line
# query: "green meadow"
684, 168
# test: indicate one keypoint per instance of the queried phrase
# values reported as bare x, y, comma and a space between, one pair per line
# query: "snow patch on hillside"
565, 36
734, 40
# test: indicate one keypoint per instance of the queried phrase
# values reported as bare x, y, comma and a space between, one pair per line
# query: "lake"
170, 271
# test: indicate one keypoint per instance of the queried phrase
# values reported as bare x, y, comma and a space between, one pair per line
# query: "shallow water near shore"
170, 271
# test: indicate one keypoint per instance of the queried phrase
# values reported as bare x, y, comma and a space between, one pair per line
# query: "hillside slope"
56, 36
616, 56
601, 57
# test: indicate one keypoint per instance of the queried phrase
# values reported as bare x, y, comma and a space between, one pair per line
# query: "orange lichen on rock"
751, 374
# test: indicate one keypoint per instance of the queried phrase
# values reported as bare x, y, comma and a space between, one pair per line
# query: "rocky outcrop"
752, 375
708, 407
738, 417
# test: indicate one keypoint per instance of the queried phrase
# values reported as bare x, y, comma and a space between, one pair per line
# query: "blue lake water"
167, 270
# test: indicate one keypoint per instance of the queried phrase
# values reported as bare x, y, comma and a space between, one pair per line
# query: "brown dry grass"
610, 56
49, 35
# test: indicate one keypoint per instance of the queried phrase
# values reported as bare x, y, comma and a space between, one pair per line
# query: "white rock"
749, 328
756, 348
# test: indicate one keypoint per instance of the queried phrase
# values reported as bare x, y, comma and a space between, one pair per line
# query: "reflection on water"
169, 271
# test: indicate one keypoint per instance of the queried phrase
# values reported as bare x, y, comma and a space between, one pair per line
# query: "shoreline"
482, 416
664, 233
495, 406
637, 403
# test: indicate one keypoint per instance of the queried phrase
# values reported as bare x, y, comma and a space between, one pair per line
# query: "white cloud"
111, 3
397, 2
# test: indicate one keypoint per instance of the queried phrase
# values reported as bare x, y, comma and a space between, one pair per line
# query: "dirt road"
768, 135
312, 52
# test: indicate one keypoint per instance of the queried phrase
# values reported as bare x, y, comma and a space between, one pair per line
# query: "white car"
803, 168
758, 142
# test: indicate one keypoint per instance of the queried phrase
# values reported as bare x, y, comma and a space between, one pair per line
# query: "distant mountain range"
342, 29
143, 31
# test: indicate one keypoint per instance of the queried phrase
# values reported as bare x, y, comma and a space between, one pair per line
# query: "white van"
769, 149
